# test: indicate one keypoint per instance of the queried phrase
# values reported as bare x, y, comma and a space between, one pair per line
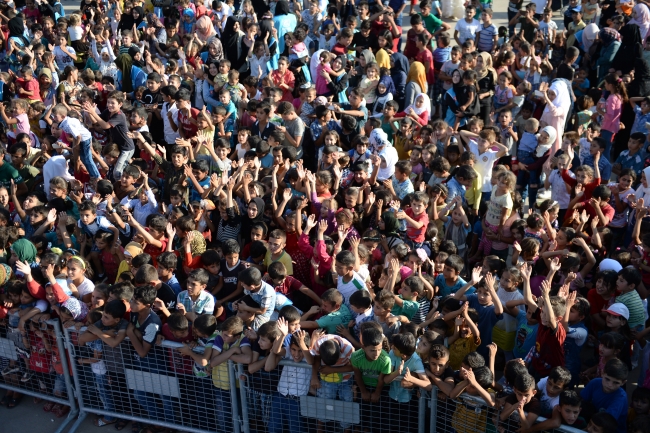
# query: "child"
449, 281
196, 300
416, 217
486, 303
82, 138
550, 389
457, 225
337, 313
628, 280
607, 393
521, 407
466, 338
405, 361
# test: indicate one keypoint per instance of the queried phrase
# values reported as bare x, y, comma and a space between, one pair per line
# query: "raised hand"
476, 274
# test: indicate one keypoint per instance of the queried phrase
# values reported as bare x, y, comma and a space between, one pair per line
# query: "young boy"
336, 313
276, 252
550, 389
486, 35
332, 354
288, 285
481, 145
196, 300
566, 412
449, 281
348, 281
417, 219
521, 408
405, 361
467, 27
153, 234
383, 303
167, 263
370, 366
82, 138
607, 394
626, 284
27, 86
197, 179
114, 120
261, 292
632, 157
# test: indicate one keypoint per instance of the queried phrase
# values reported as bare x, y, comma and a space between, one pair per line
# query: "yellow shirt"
473, 193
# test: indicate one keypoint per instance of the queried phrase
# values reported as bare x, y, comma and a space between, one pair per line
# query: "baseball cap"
619, 309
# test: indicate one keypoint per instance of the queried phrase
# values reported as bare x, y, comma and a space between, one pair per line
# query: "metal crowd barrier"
160, 389
35, 363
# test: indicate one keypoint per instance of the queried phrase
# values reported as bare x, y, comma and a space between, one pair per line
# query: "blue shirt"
640, 121
455, 188
526, 335
444, 288
614, 403
174, 284
604, 166
486, 321
635, 162
414, 364
528, 142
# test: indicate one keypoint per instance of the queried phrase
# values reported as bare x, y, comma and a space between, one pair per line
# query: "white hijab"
55, 166
426, 106
562, 97
589, 35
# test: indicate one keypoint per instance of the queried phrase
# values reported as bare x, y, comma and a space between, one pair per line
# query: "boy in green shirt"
406, 303
370, 365
336, 313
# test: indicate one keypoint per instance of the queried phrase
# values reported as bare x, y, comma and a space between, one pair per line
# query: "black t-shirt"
119, 129
156, 126
264, 135
358, 40
167, 295
230, 279
150, 98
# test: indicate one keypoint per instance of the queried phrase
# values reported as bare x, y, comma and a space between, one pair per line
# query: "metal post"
60, 342
422, 407
233, 397
244, 400
434, 409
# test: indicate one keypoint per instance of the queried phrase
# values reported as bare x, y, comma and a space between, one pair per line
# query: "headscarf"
367, 54
608, 35
55, 166
124, 62
132, 52
426, 106
282, 8
260, 209
204, 28
343, 60
230, 37
382, 59
387, 81
5, 273
552, 134
487, 67
562, 98
134, 249
25, 250
391, 224
188, 12
631, 49
641, 18
418, 74
126, 22
215, 42
398, 72
197, 244
589, 35
141, 15
640, 86
17, 29
266, 28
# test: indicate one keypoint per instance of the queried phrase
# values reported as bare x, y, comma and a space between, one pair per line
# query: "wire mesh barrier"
163, 388
470, 414
33, 362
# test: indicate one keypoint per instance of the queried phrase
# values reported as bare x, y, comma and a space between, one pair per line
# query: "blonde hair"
508, 178
532, 124
74, 20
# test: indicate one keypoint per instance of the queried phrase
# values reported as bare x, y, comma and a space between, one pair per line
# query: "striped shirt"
229, 229
486, 37
203, 305
344, 358
633, 302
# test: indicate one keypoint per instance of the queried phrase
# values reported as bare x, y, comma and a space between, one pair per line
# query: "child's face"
615, 322
75, 271
276, 245
194, 287
484, 296
593, 428
264, 343
418, 207
449, 272
525, 396
622, 285
372, 352
569, 413
296, 353
607, 353
554, 388
224, 98
110, 321
641, 406
611, 384
380, 311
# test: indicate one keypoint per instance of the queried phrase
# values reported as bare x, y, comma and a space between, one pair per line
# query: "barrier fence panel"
280, 400
164, 388
33, 362
470, 414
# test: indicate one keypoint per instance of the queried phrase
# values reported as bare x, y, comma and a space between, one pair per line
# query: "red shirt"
417, 235
179, 363
552, 340
30, 86
189, 129
154, 251
289, 286
426, 58
411, 50
339, 49
289, 80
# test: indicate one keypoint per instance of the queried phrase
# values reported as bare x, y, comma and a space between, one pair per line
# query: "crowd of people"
305, 181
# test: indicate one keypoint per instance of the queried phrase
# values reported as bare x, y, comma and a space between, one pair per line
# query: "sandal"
101, 422
14, 402
120, 424
49, 406
62, 411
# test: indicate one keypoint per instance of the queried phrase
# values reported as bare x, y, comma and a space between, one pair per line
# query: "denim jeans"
148, 402
121, 163
285, 412
101, 383
609, 137
333, 389
87, 158
223, 403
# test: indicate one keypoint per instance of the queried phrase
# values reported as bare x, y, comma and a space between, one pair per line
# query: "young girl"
369, 83
81, 286
503, 92
535, 229
457, 226
611, 110
504, 61
499, 208
612, 345
419, 111
504, 330
385, 91
619, 201
110, 255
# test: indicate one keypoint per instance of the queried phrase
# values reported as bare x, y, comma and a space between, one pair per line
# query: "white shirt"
467, 30
62, 59
141, 211
484, 164
294, 381
558, 188
85, 288
352, 286
257, 63
74, 127
170, 134
548, 403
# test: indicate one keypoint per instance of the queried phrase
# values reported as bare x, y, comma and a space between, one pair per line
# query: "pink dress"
612, 118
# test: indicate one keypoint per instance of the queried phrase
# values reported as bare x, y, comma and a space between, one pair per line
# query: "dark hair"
616, 369
560, 374
145, 294
167, 260
569, 397
290, 314
455, 262
206, 324
201, 276
115, 309
230, 246
330, 351
631, 275
474, 360
360, 299
524, 383
371, 337
484, 376
605, 421
513, 370
178, 322
405, 343
250, 276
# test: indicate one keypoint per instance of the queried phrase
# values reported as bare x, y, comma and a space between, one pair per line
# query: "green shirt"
432, 23
7, 173
342, 316
370, 370
634, 304
408, 308
29, 174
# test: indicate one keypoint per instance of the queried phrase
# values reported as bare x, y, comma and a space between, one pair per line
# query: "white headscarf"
542, 148
641, 19
589, 35
55, 166
562, 98
425, 107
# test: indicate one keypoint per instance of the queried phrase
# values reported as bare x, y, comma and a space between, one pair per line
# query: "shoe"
10, 370
27, 376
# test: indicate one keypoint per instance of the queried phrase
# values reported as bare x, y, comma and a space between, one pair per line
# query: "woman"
631, 49
416, 83
558, 106
214, 53
450, 100
254, 214
129, 77
70, 85
389, 229
231, 37
586, 38
399, 72
204, 29
126, 21
610, 42
339, 85
17, 32
419, 111
136, 57
641, 17
486, 80
284, 21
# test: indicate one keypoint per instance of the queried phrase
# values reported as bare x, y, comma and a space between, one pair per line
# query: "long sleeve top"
141, 211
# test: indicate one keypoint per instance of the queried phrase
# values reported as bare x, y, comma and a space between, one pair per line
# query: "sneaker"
26, 376
10, 370
22, 352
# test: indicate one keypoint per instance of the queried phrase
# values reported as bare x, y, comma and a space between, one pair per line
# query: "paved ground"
29, 416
